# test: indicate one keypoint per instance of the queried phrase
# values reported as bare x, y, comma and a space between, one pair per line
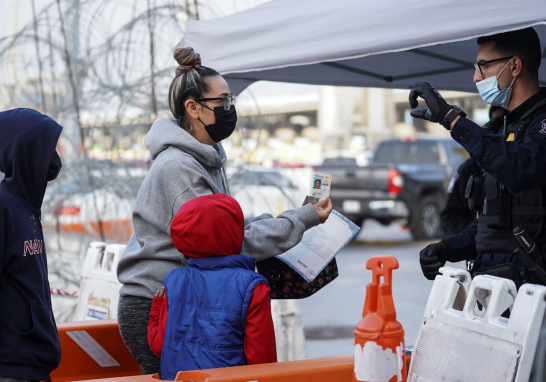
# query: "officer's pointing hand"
437, 106
432, 258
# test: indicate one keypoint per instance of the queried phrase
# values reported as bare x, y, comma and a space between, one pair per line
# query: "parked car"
406, 180
259, 190
73, 205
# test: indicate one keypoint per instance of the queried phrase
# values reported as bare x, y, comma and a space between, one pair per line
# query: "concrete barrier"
332, 369
91, 350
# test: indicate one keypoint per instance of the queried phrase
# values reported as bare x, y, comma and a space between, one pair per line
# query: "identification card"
321, 185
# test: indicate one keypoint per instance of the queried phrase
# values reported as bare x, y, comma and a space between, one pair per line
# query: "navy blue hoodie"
29, 342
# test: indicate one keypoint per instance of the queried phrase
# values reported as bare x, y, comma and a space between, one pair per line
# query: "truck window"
407, 152
339, 162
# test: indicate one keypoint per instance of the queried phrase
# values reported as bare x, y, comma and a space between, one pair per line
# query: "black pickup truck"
406, 180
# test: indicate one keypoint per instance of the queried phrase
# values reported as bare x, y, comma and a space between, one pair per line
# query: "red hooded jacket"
213, 225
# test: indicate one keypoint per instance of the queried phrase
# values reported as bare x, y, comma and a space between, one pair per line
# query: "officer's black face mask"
54, 167
224, 125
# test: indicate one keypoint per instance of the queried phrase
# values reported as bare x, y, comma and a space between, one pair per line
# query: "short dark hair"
523, 43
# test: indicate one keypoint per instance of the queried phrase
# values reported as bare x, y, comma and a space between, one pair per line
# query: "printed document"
319, 245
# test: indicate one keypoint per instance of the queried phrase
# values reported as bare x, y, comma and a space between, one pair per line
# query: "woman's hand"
323, 207
160, 293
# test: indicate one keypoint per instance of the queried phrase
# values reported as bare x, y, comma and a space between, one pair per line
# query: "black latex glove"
437, 106
432, 258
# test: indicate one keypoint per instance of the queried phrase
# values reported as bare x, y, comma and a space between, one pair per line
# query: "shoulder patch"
543, 127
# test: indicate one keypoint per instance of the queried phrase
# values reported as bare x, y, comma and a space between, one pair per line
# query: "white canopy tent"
369, 43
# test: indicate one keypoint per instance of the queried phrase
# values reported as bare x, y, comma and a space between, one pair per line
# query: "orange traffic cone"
379, 338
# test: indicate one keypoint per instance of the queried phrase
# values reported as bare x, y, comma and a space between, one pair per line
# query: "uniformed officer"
456, 215
514, 162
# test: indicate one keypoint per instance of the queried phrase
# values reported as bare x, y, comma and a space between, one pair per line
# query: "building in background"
290, 124
405, 125
355, 118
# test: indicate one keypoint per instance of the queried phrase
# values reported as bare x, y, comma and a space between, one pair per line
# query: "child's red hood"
211, 225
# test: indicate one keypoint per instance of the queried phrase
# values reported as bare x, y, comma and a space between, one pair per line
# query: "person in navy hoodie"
29, 342
216, 312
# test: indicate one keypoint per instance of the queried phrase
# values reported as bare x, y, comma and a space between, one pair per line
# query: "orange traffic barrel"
379, 353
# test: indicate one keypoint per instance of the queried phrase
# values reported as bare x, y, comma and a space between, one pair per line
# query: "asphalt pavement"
330, 317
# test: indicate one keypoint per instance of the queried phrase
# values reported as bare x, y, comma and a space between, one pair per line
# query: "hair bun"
187, 60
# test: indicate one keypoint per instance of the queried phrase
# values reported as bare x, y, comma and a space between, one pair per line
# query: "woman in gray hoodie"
188, 163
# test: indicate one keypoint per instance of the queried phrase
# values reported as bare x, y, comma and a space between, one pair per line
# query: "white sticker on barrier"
372, 363
92, 347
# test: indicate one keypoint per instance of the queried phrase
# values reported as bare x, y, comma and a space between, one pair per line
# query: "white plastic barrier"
289, 333
99, 289
458, 342
99, 297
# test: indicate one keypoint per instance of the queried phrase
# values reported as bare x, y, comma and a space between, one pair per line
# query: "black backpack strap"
521, 125
530, 114
528, 117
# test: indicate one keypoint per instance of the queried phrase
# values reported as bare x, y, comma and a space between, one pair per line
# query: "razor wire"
102, 69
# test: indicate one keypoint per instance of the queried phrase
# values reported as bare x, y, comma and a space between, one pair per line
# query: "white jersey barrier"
289, 333
99, 289
458, 342
99, 297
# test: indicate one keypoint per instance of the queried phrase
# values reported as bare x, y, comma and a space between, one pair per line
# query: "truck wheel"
426, 222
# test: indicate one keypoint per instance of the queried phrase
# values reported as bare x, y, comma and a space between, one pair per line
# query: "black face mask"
224, 125
54, 167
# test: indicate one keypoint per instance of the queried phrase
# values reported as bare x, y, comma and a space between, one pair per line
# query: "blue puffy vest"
208, 302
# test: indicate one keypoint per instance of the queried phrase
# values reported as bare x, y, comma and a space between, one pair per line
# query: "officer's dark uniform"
456, 215
515, 187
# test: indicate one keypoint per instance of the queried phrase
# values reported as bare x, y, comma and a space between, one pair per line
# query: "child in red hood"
216, 312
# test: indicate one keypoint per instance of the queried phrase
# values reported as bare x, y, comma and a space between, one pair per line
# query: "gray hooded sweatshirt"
184, 169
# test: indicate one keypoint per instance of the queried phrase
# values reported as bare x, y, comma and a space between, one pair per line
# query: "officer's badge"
543, 127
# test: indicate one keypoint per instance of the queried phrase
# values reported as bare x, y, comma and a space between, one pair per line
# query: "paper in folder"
319, 246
